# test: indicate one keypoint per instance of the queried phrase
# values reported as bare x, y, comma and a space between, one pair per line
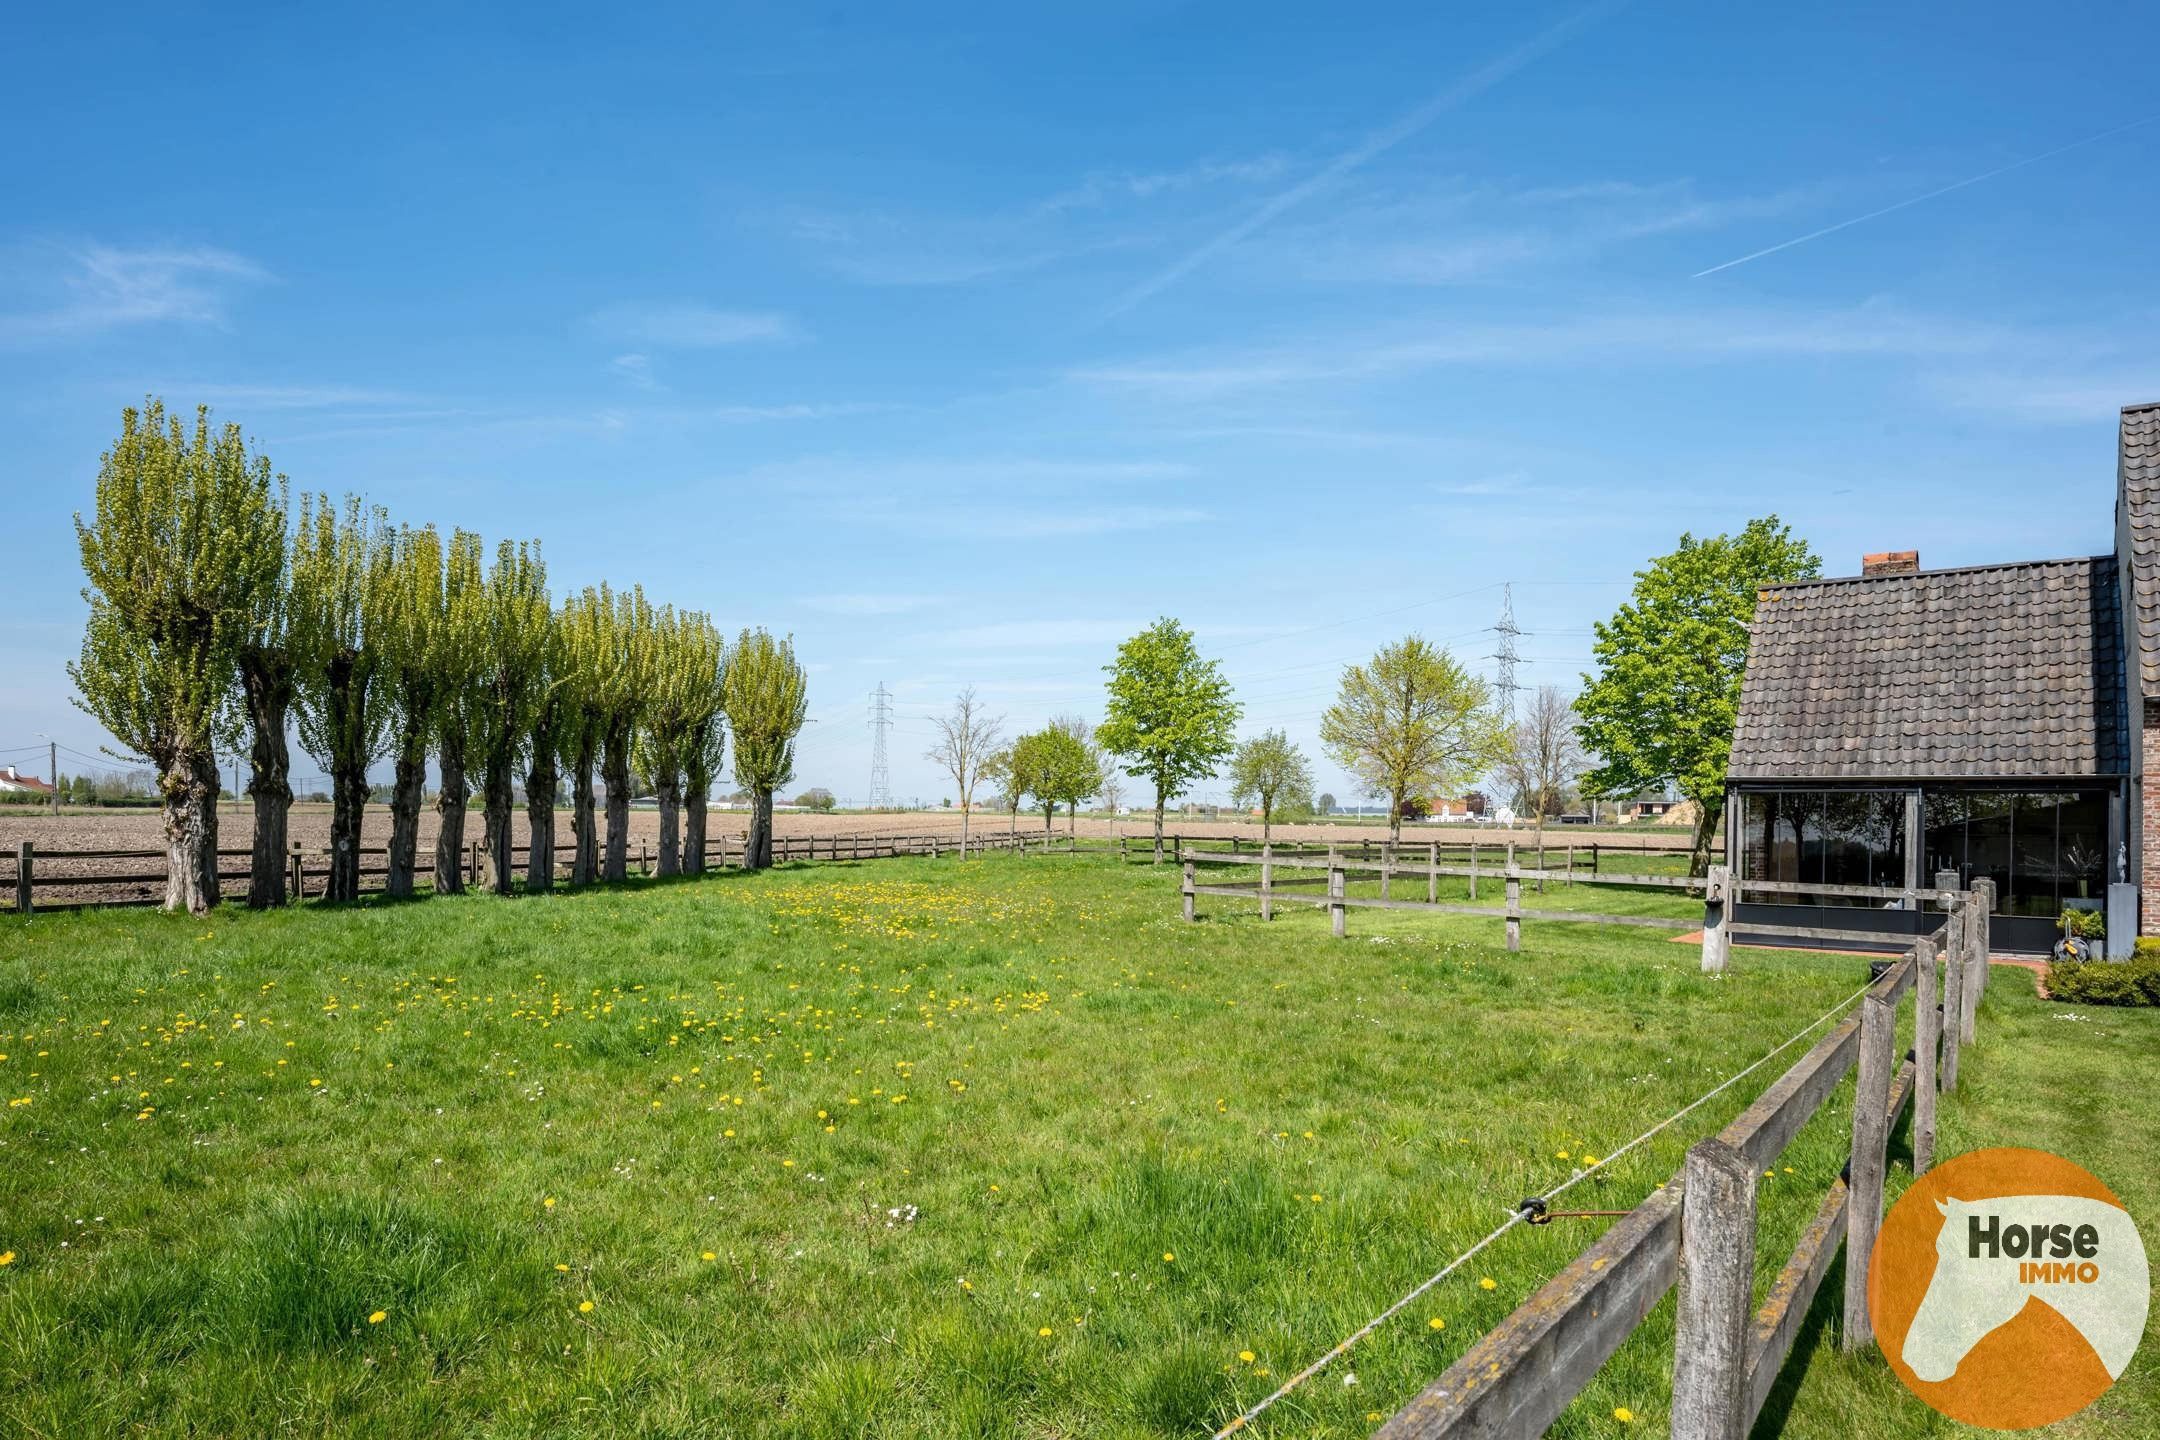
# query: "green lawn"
900, 1148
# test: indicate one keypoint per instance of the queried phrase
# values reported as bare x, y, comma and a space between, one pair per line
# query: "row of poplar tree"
222, 615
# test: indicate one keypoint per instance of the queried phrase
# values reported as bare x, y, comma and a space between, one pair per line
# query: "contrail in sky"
1930, 195
1476, 83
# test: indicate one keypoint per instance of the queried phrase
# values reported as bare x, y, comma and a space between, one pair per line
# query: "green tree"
623, 682
269, 680
701, 763
518, 623
557, 687
1053, 767
414, 636
1271, 772
1660, 709
187, 537
765, 695
1100, 778
1411, 720
584, 635
1170, 716
459, 653
681, 690
342, 567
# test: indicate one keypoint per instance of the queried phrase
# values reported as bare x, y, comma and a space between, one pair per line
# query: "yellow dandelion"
548, 1203
1169, 1257
1044, 1332
1624, 1415
707, 1255
584, 1307
1488, 1283
378, 1317
1436, 1323
561, 1268
7, 1257
1246, 1356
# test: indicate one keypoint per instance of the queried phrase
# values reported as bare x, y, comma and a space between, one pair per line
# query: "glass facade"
2044, 849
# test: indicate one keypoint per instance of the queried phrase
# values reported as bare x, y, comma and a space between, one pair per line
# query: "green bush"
2135, 981
2083, 924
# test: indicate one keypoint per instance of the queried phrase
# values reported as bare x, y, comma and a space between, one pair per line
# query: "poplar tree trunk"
700, 786
585, 862
540, 782
1160, 798
348, 780
186, 820
668, 785
213, 889
963, 826
269, 783
406, 793
1706, 822
757, 846
500, 874
450, 807
615, 774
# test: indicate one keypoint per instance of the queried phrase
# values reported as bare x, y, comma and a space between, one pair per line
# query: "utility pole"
52, 770
880, 772
1504, 682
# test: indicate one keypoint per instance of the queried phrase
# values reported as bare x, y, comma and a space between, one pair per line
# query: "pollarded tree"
1661, 708
1411, 720
1271, 772
552, 709
701, 764
685, 669
458, 658
269, 681
620, 692
967, 739
766, 696
518, 621
583, 632
1170, 716
415, 637
342, 567
187, 539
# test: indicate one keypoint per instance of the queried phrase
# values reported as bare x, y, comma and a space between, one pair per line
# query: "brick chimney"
1890, 562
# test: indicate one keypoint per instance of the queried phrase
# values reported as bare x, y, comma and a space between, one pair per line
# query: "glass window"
2043, 849
1823, 837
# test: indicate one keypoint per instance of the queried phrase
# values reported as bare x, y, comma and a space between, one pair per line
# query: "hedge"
2135, 981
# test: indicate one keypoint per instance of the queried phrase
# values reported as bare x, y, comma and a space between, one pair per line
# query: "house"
1647, 807
14, 782
1989, 720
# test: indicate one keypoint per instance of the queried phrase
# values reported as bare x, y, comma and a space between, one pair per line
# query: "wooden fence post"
1953, 997
1593, 857
1979, 903
1473, 869
1871, 1134
1267, 882
1432, 873
299, 875
1927, 1041
1514, 907
1188, 891
1716, 936
1387, 866
1717, 1278
25, 853
1335, 890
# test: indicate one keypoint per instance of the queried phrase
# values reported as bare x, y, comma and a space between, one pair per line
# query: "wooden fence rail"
307, 870
1699, 1230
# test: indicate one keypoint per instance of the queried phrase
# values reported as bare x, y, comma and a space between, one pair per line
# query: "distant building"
14, 782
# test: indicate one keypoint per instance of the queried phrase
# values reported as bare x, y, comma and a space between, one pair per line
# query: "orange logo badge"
2009, 1288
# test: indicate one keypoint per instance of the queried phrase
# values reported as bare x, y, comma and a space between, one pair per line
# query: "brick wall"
2149, 826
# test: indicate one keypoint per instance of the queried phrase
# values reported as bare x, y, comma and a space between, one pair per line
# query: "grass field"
904, 1148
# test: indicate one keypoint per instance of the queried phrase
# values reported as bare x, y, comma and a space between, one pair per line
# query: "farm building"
14, 782
1989, 720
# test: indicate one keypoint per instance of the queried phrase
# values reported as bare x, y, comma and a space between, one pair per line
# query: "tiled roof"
2139, 483
2011, 671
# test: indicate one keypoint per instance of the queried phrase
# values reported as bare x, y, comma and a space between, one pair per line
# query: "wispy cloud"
1634, 336
683, 325
1412, 122
71, 292
1936, 193
636, 370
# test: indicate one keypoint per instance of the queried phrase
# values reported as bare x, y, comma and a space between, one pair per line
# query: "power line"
1504, 652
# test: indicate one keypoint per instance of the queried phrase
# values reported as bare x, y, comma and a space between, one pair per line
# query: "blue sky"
963, 342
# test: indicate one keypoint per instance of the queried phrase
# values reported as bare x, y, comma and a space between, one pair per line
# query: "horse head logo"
1993, 1257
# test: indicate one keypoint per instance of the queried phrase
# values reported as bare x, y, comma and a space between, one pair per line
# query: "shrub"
2083, 924
2135, 981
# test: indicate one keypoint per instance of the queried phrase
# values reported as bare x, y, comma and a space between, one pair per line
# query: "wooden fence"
1559, 852
1699, 1230
307, 871
1391, 866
